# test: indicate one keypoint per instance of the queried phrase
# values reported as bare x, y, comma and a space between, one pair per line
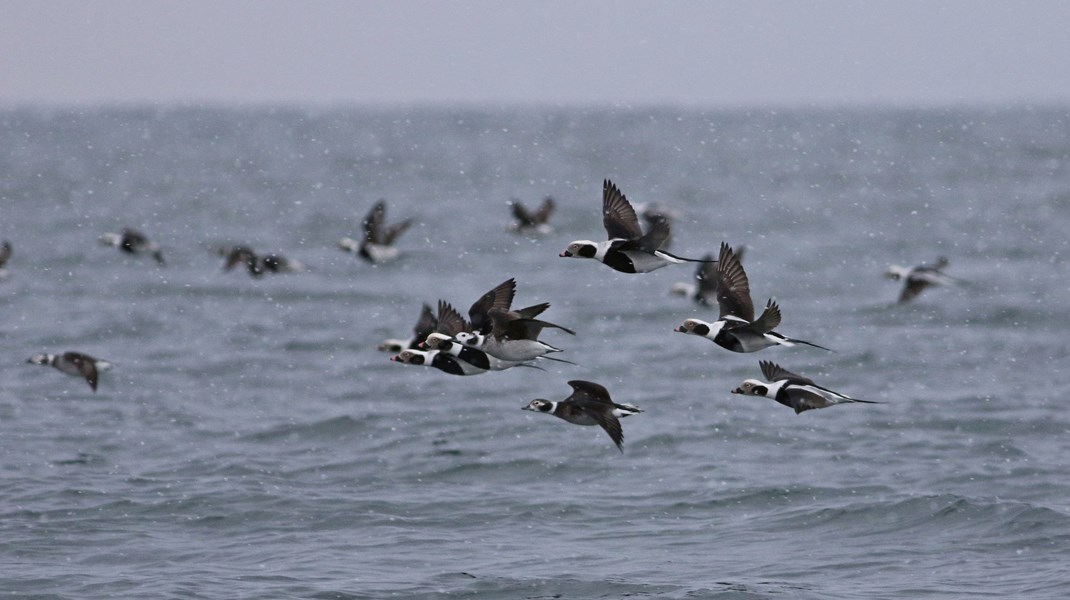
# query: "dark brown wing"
521, 214
373, 223
508, 325
132, 239
450, 322
769, 320
803, 400
733, 288
609, 423
618, 217
5, 252
425, 325
911, 288
545, 210
87, 366
589, 390
529, 312
655, 238
500, 297
394, 231
774, 372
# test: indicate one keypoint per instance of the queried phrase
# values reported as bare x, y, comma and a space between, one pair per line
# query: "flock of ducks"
495, 337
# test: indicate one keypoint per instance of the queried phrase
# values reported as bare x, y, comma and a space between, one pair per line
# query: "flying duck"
628, 249
588, 405
377, 245
74, 363
133, 241
916, 279
736, 329
532, 222
792, 390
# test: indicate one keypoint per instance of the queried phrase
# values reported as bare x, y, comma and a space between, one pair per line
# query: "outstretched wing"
589, 391
545, 210
618, 217
511, 326
611, 425
733, 288
87, 366
529, 312
912, 287
769, 320
655, 238
521, 214
373, 223
425, 325
450, 322
774, 372
499, 297
396, 230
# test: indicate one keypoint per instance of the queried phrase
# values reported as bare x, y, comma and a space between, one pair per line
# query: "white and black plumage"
439, 360
792, 390
736, 329
916, 279
377, 245
473, 356
5, 254
424, 326
450, 323
74, 363
532, 222
133, 241
513, 336
256, 264
589, 404
628, 249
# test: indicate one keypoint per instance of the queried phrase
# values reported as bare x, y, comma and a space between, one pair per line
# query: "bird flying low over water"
133, 241
256, 264
737, 329
792, 390
589, 404
377, 245
513, 336
451, 323
535, 222
628, 249
74, 363
916, 279
473, 356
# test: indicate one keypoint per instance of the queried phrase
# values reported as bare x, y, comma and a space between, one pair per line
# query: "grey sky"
534, 52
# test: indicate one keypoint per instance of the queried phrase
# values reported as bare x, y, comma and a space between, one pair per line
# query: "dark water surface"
252, 443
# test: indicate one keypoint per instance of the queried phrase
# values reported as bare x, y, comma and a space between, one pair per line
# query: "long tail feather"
681, 258
558, 359
795, 341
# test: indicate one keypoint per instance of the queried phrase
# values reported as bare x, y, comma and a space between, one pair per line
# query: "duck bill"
565, 254
680, 329
737, 391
